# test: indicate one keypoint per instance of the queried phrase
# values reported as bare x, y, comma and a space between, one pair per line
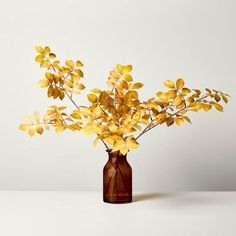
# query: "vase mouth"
110, 151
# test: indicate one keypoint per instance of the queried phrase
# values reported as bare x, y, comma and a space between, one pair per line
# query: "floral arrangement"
116, 116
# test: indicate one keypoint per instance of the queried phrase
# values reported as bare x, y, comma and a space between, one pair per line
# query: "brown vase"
117, 179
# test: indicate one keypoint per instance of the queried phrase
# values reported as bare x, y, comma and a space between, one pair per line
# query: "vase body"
117, 179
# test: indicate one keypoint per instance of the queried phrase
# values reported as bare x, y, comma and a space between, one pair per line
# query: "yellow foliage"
116, 116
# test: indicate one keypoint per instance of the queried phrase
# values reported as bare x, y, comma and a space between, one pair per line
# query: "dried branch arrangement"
116, 116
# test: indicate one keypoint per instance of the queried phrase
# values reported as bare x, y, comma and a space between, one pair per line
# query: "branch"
149, 127
104, 144
64, 77
70, 97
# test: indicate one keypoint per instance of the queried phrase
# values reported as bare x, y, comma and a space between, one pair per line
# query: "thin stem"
104, 143
42, 123
68, 96
144, 131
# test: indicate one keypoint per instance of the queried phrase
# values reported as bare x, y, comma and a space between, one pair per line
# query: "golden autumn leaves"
116, 116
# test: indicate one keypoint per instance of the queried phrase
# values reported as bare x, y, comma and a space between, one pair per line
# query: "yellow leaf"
161, 118
59, 129
209, 91
152, 105
47, 50
39, 49
44, 64
109, 139
70, 64
97, 111
49, 76
39, 129
131, 142
170, 121
61, 95
123, 84
127, 69
119, 68
179, 83
92, 98
52, 55
88, 130
69, 83
128, 78
96, 90
179, 121
76, 115
39, 58
74, 127
217, 97
79, 63
117, 146
196, 107
124, 150
31, 131
80, 86
137, 86
177, 101
23, 127
225, 99
171, 94
206, 107
75, 78
37, 117
61, 108
56, 78
218, 107
160, 94
56, 93
79, 73
185, 91
50, 91
187, 119
190, 100
198, 92
43, 83
85, 111
102, 97
95, 142
169, 84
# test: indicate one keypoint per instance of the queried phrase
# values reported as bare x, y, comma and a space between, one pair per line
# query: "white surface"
163, 39
84, 213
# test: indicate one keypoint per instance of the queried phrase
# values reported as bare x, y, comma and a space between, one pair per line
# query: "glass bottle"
117, 179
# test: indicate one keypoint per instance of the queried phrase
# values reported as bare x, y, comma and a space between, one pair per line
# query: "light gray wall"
163, 40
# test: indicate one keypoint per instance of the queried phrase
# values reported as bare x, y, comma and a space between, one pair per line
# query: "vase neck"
116, 156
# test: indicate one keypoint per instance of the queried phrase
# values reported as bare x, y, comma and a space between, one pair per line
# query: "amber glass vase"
117, 179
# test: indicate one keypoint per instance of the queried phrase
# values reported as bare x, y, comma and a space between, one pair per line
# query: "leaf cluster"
116, 115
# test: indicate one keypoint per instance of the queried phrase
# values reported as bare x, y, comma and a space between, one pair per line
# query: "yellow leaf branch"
114, 115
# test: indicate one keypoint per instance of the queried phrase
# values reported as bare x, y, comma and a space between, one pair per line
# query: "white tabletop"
74, 213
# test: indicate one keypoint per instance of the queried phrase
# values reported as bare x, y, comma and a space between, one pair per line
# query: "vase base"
121, 199
117, 201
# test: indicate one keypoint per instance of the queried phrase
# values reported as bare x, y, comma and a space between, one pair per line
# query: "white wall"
163, 40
